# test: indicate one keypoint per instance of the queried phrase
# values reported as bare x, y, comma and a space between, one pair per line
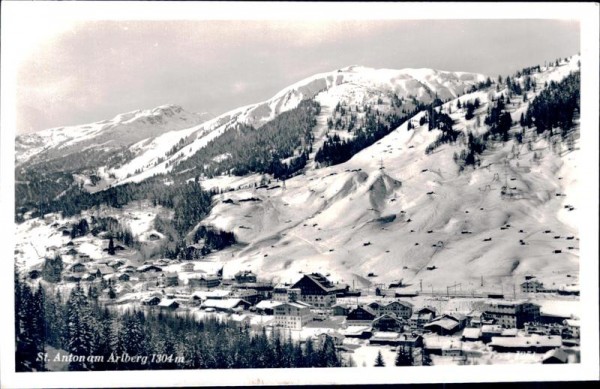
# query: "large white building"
292, 314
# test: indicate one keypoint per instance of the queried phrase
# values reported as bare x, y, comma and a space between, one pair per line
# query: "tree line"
244, 149
82, 326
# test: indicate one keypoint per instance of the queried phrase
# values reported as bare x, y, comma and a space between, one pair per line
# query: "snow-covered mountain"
354, 84
394, 209
122, 130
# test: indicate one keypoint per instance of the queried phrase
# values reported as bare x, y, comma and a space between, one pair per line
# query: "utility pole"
421, 284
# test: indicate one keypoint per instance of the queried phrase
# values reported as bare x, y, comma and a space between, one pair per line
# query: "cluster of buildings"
501, 325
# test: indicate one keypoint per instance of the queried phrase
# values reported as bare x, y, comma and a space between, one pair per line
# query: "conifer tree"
404, 356
379, 362
111, 246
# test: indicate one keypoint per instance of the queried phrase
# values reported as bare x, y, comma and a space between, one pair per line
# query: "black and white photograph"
276, 193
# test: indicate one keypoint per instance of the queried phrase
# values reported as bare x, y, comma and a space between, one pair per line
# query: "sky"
94, 70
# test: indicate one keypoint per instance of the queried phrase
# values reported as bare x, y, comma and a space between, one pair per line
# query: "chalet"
267, 307
477, 319
262, 289
169, 279
241, 318
187, 267
340, 310
397, 308
227, 305
153, 300
395, 284
70, 244
245, 276
471, 334
117, 263
388, 322
204, 281
336, 337
168, 304
280, 293
532, 286
446, 324
77, 267
385, 338
410, 340
553, 317
88, 277
72, 277
571, 329
361, 315
292, 314
250, 295
128, 269
149, 269
123, 277
421, 317
528, 343
512, 313
442, 345
209, 268
359, 332
556, 356
569, 290
104, 270
71, 251
490, 331
200, 296
316, 290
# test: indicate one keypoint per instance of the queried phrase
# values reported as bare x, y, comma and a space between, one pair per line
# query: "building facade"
292, 314
512, 314
316, 290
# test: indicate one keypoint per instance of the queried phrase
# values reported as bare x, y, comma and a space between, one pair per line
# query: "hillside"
420, 196
394, 210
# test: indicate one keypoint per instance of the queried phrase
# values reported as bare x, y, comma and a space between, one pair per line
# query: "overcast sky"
96, 70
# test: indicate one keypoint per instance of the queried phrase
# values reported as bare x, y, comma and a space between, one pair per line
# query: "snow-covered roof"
488, 328
527, 341
471, 333
207, 267
557, 353
223, 304
354, 330
384, 335
442, 342
167, 302
214, 294
296, 304
510, 332
445, 323
572, 322
268, 304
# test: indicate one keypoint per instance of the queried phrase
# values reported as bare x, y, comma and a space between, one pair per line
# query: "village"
438, 327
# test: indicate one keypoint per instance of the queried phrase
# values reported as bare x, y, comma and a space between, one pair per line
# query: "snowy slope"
392, 209
123, 130
354, 84
353, 218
